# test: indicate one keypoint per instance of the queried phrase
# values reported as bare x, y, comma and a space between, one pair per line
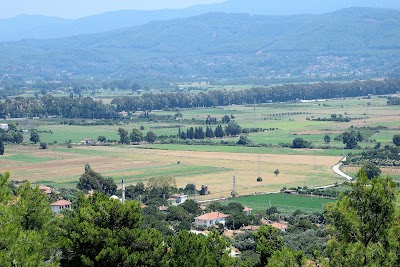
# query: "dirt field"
385, 170
62, 167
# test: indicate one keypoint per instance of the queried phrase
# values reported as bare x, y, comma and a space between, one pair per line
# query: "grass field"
284, 202
290, 120
62, 167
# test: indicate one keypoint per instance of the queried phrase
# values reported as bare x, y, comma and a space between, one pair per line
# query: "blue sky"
80, 8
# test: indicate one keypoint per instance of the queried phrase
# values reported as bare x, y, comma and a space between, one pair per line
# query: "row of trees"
49, 105
136, 136
283, 93
232, 129
87, 107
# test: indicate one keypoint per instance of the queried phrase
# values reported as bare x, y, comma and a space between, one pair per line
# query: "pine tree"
209, 132
1, 148
219, 132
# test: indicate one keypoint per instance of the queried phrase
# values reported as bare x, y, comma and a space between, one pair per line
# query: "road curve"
337, 170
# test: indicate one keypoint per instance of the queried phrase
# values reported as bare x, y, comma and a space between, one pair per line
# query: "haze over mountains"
362, 41
41, 27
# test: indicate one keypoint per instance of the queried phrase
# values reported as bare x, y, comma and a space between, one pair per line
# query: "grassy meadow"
285, 203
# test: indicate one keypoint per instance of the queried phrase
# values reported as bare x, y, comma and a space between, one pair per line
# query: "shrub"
43, 145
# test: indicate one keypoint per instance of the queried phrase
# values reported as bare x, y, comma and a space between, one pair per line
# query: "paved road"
337, 170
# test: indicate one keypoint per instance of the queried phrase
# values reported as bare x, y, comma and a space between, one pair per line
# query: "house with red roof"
210, 219
45, 189
60, 205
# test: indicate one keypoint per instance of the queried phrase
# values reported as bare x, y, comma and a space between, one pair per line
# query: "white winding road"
337, 170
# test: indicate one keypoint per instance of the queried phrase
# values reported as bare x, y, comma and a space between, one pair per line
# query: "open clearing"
61, 167
285, 203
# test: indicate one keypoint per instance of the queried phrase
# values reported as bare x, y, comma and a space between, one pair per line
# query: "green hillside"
219, 45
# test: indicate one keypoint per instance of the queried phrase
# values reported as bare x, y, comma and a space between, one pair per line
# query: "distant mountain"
220, 45
39, 27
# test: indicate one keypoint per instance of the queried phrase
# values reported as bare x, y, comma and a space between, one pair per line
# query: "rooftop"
61, 202
212, 216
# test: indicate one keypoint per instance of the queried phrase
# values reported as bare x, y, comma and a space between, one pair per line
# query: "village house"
87, 141
60, 205
210, 219
247, 211
177, 199
283, 226
163, 209
45, 189
4, 126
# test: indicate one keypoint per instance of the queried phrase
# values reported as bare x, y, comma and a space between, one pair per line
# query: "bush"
259, 179
43, 145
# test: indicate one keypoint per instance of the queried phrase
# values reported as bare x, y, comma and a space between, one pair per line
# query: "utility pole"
234, 186
123, 191
254, 119
259, 170
314, 161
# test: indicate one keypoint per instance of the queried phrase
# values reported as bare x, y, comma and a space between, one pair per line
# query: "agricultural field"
285, 203
62, 167
211, 164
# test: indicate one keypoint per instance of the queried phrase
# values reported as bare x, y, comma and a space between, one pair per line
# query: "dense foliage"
100, 231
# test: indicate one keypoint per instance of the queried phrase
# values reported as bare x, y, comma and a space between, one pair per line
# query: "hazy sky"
80, 8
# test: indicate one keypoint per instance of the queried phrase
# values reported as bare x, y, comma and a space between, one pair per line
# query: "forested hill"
219, 45
42, 27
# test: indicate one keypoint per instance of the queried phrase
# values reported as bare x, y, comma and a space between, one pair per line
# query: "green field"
284, 202
212, 164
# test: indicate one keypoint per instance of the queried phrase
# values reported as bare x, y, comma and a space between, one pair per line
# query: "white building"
177, 199
60, 205
210, 219
4, 126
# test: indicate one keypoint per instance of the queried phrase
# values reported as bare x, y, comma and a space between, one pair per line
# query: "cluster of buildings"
205, 220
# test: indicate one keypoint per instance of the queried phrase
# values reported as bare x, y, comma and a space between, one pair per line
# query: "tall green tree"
286, 258
371, 170
1, 147
123, 136
91, 180
396, 139
136, 136
35, 138
219, 131
350, 140
103, 232
26, 232
363, 223
269, 240
233, 128
191, 250
150, 137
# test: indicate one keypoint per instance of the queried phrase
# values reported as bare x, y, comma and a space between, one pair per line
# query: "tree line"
282, 93
87, 107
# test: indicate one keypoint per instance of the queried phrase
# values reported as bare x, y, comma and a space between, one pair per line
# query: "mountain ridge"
219, 45
37, 27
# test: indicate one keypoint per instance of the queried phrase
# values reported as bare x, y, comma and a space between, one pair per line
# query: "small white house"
211, 218
60, 205
177, 199
4, 126
181, 199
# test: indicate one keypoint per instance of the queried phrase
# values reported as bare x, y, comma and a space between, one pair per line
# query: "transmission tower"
234, 185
